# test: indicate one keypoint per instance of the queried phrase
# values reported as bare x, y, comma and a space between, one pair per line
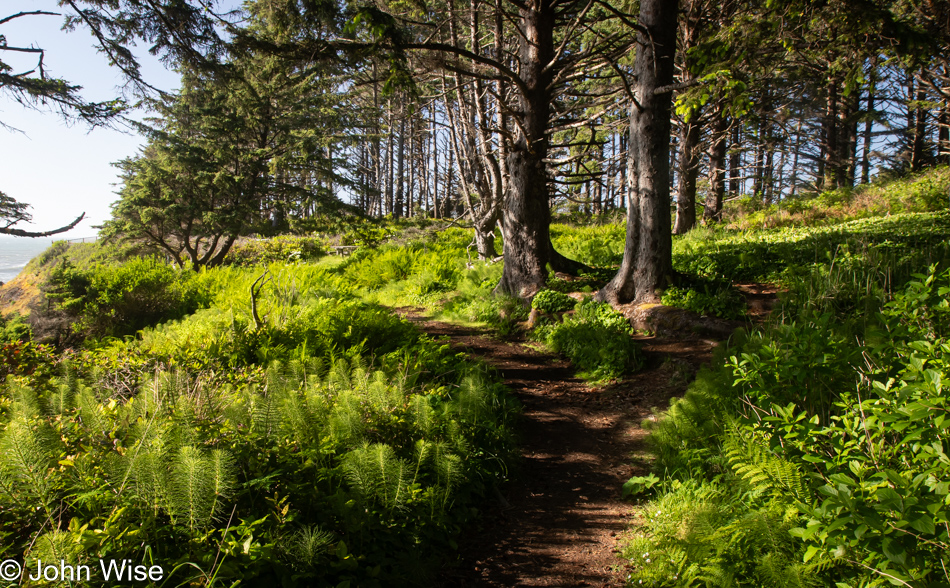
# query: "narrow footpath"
558, 521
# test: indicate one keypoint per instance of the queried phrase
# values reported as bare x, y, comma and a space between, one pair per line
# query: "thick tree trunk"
688, 171
647, 261
526, 215
526, 221
485, 239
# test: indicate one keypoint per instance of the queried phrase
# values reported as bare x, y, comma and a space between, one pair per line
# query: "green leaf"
922, 523
894, 550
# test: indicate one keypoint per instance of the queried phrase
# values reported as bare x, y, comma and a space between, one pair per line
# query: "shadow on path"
557, 521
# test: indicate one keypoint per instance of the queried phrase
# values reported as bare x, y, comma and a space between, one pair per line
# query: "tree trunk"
389, 163
735, 161
400, 173
485, 239
526, 215
829, 133
647, 260
688, 171
712, 212
920, 131
851, 142
758, 190
868, 124
943, 135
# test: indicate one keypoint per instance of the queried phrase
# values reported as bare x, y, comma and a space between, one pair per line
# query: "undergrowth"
287, 432
810, 453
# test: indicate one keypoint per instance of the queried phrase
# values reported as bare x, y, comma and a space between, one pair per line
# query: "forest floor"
558, 520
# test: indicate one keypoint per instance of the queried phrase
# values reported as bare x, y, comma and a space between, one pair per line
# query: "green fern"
26, 461
347, 423
423, 415
308, 546
199, 483
56, 546
761, 469
92, 415
377, 475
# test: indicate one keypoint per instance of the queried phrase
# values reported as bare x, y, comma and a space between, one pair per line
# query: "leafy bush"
286, 248
121, 300
550, 302
13, 329
833, 442
708, 298
596, 339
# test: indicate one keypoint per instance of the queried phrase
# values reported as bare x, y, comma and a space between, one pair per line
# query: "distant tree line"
502, 111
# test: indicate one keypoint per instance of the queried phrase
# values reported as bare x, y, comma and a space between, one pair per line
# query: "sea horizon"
16, 252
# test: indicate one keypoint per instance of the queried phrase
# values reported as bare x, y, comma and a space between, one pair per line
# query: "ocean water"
16, 252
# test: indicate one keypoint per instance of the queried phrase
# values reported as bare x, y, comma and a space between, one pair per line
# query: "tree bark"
526, 215
647, 261
943, 135
735, 161
868, 124
400, 174
828, 165
920, 131
712, 212
688, 171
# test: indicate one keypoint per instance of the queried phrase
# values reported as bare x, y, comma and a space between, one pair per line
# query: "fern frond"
192, 497
91, 414
377, 475
339, 376
346, 423
308, 546
764, 471
56, 546
423, 415
27, 455
266, 413
62, 398
221, 466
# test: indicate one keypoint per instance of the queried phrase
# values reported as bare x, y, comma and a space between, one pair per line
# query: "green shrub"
596, 339
286, 248
833, 442
707, 298
118, 300
550, 302
14, 329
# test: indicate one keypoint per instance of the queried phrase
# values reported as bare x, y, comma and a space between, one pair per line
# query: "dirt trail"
557, 522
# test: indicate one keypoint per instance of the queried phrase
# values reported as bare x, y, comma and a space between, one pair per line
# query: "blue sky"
63, 169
